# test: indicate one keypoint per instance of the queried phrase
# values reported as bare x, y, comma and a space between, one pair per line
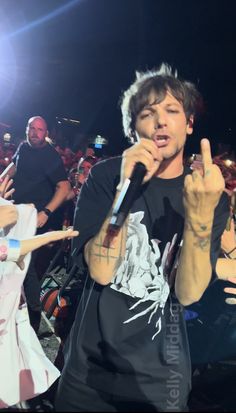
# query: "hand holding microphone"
127, 195
143, 170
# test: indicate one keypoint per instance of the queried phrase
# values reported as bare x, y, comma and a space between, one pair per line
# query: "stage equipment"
67, 120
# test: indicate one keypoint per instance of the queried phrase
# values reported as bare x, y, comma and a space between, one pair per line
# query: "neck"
169, 169
38, 146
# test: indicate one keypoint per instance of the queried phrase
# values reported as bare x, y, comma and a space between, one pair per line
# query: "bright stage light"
8, 74
10, 69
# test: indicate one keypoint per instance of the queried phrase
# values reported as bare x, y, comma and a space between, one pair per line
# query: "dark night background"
74, 58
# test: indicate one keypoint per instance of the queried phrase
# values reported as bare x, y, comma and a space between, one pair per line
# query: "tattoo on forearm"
198, 227
103, 247
202, 233
202, 243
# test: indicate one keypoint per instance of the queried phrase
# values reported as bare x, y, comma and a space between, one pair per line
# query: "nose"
160, 120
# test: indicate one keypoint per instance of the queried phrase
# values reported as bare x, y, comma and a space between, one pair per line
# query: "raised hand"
38, 241
202, 191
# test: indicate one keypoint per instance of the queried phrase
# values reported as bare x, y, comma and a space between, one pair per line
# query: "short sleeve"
94, 202
16, 154
55, 169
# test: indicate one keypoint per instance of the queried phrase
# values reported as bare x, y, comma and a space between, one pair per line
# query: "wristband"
14, 250
230, 252
47, 211
9, 250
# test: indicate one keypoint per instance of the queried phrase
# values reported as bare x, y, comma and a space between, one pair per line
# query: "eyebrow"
35, 127
149, 106
174, 104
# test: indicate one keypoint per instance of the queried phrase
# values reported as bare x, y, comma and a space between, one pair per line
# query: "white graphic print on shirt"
142, 273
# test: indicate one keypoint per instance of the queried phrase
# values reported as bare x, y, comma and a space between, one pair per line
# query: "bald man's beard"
35, 142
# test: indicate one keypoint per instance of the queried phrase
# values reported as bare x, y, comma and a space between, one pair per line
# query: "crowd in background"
78, 163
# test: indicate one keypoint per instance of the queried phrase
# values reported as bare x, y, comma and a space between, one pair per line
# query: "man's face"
36, 133
165, 123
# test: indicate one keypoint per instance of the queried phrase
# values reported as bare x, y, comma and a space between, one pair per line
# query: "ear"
190, 125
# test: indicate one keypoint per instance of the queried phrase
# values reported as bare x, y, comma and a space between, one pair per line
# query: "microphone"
127, 196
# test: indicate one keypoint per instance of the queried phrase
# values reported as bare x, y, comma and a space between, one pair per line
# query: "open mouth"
161, 140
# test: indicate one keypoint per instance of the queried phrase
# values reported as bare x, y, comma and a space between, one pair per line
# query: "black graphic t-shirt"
129, 337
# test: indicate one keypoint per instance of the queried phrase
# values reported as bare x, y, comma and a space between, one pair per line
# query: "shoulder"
105, 170
110, 165
51, 153
50, 149
102, 180
23, 146
105, 173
